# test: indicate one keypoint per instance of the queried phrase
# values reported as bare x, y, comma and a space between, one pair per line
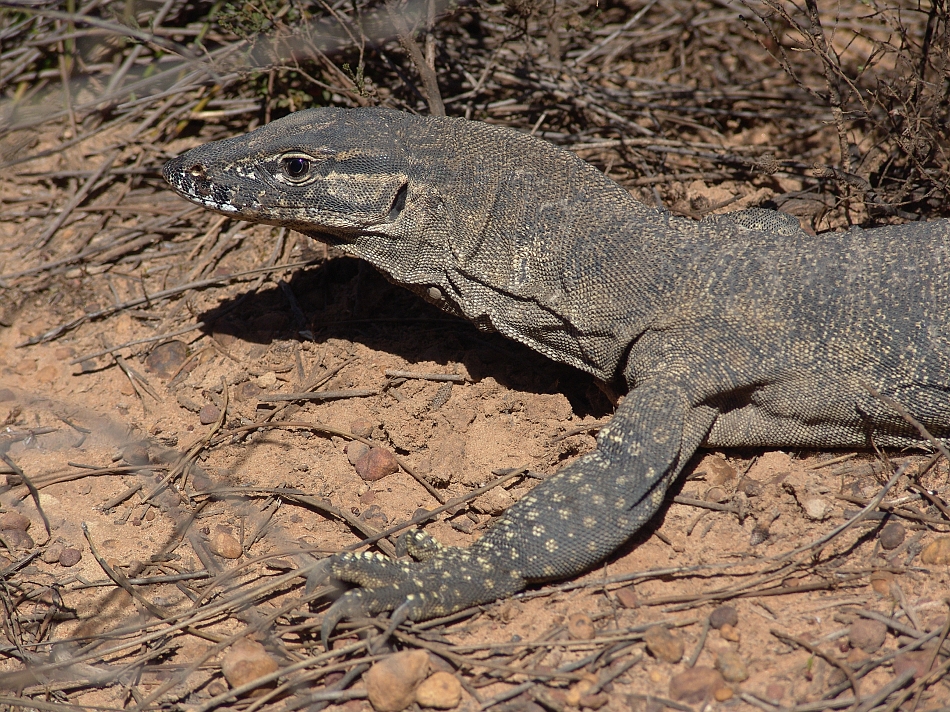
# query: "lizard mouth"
190, 179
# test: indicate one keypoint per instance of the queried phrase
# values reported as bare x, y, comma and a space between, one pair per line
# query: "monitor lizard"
737, 330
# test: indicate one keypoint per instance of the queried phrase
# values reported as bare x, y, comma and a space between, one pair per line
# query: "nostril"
197, 171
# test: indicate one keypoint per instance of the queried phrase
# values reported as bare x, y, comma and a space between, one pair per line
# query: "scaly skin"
734, 331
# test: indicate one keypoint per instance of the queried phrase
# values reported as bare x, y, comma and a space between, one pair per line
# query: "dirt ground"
175, 506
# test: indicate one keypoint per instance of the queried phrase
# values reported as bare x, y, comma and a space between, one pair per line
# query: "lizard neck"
543, 247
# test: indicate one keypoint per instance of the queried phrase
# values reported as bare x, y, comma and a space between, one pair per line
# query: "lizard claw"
443, 581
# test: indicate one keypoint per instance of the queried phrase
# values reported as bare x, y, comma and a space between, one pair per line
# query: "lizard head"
331, 173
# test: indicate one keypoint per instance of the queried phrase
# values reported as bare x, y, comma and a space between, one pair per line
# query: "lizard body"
738, 330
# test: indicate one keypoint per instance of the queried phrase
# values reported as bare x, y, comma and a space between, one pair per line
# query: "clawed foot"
441, 581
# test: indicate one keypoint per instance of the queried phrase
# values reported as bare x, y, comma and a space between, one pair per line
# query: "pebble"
209, 414
816, 508
52, 553
594, 702
14, 520
267, 380
167, 358
775, 692
135, 453
361, 428
355, 450
663, 644
881, 582
391, 683
719, 472
580, 689
247, 660
867, 634
70, 557
6, 395
732, 667
441, 690
697, 685
892, 535
64, 352
716, 494
724, 615
937, 552
493, 502
750, 487
916, 660
225, 546
25, 366
729, 632
18, 539
376, 464
48, 374
580, 627
627, 597
247, 391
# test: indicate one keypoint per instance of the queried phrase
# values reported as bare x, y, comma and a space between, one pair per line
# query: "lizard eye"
296, 168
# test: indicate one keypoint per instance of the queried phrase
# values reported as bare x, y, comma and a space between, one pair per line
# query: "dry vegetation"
143, 343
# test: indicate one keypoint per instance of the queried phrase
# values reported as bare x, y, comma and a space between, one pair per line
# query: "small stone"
937, 552
225, 546
580, 627
18, 539
493, 502
375, 517
355, 450
724, 615
892, 535
696, 685
749, 487
716, 494
6, 395
774, 692
25, 366
14, 520
246, 661
64, 352
441, 690
729, 632
857, 657
216, 688
916, 660
70, 557
135, 453
247, 391
167, 358
732, 667
867, 634
881, 582
52, 553
719, 472
391, 683
48, 374
594, 702
817, 508
267, 380
361, 428
376, 464
580, 689
663, 645
188, 403
208, 414
721, 694
627, 597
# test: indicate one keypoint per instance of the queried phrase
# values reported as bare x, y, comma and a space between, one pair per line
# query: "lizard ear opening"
399, 202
